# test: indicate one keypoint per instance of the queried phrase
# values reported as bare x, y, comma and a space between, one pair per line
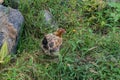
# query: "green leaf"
3, 52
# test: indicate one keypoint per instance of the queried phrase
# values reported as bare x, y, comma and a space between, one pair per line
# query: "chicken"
51, 42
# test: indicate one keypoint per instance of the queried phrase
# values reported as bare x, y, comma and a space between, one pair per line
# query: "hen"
51, 42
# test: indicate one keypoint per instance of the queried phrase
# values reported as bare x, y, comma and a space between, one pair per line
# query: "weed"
4, 58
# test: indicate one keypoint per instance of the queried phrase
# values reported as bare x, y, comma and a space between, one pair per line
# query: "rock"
11, 21
49, 19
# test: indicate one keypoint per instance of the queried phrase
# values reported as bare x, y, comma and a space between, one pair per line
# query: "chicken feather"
51, 42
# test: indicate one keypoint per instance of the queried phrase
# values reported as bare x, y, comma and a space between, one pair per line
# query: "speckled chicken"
51, 42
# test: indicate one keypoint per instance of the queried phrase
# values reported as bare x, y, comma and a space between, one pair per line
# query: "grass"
90, 50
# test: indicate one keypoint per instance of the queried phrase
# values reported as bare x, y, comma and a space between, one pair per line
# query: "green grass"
90, 50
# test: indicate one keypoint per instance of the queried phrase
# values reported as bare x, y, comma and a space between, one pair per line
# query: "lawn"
90, 49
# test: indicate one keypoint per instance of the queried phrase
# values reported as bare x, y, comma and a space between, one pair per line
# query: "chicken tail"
45, 43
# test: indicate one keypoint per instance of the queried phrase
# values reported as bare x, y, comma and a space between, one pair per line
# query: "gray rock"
49, 19
11, 21
48, 16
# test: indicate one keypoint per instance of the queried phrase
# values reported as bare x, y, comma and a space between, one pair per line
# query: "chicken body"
51, 42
